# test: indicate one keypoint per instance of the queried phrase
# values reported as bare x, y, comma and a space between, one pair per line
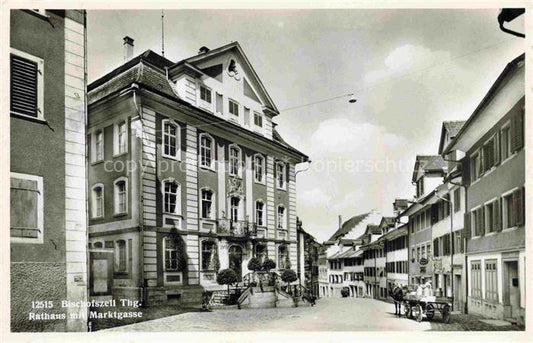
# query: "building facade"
308, 255
48, 171
188, 176
491, 148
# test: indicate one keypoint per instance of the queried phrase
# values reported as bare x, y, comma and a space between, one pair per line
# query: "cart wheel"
407, 310
430, 311
446, 314
417, 312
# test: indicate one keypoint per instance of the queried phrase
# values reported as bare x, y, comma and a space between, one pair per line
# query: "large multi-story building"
490, 146
188, 175
428, 173
48, 172
308, 254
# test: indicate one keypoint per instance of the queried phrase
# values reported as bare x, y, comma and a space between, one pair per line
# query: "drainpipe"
86, 115
134, 88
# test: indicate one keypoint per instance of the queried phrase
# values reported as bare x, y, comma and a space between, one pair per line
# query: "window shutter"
519, 131
434, 213
481, 220
23, 86
497, 215
24, 200
462, 241
468, 226
519, 206
497, 153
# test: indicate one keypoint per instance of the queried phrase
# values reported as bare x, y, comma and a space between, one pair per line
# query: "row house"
48, 230
428, 172
374, 262
341, 262
491, 154
188, 175
308, 254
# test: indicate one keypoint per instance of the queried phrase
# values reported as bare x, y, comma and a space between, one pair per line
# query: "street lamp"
352, 98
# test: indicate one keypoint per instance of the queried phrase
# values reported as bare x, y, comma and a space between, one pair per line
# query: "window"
281, 217
219, 103
98, 201
121, 265
420, 187
205, 94
172, 253
207, 204
233, 108
234, 208
98, 146
208, 255
120, 138
259, 169
492, 217
26, 84
478, 222
491, 280
283, 256
171, 139
280, 175
517, 131
121, 196
26, 210
172, 197
261, 252
258, 119
418, 254
428, 250
513, 208
489, 151
475, 164
207, 147
456, 200
260, 213
235, 160
423, 253
476, 278
505, 142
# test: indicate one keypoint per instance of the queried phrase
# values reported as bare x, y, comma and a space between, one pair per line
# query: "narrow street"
330, 314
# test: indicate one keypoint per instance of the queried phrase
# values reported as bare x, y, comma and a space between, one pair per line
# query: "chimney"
203, 50
340, 221
400, 205
128, 48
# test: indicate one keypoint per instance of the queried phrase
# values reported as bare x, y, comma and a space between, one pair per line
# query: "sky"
409, 70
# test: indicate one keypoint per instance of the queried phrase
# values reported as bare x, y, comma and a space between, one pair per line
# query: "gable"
214, 71
235, 67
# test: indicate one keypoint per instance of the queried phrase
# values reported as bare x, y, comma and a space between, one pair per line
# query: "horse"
397, 293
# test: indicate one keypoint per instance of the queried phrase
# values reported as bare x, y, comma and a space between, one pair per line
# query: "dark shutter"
497, 215
519, 206
24, 208
481, 219
497, 153
519, 131
23, 86
468, 226
434, 213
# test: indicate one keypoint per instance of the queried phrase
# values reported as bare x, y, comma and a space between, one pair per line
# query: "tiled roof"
141, 74
428, 163
453, 126
374, 229
347, 226
387, 221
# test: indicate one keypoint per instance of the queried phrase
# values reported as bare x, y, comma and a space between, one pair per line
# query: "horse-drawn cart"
415, 306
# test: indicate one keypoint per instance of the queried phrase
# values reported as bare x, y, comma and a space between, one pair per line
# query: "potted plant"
254, 265
289, 276
227, 277
268, 265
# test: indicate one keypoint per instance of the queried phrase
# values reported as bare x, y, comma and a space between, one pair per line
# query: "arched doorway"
235, 260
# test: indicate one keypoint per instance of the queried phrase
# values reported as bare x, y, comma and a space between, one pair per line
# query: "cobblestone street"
330, 314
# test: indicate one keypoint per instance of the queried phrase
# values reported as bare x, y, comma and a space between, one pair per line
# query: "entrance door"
458, 293
101, 273
512, 289
235, 260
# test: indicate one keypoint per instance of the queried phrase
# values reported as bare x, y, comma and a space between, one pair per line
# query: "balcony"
236, 228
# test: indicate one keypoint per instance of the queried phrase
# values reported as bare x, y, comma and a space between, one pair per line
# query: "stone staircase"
269, 297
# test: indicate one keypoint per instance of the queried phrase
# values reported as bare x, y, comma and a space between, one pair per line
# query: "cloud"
347, 139
316, 197
405, 59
